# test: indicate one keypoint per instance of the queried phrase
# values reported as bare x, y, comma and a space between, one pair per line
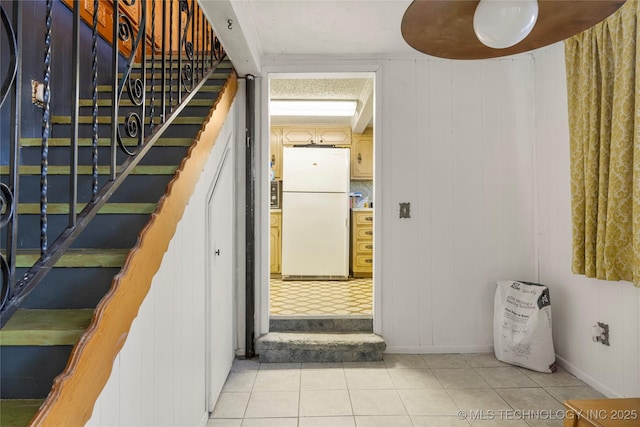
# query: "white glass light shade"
503, 23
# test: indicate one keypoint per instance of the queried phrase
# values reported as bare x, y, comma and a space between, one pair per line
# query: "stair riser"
105, 231
105, 111
70, 288
318, 355
138, 188
320, 325
104, 130
28, 372
60, 156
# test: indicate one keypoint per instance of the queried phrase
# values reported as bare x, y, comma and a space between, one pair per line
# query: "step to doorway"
327, 324
286, 347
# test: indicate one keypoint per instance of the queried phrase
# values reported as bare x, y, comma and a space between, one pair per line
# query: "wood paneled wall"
457, 143
159, 376
577, 302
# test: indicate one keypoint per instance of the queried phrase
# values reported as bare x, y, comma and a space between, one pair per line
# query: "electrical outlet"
600, 333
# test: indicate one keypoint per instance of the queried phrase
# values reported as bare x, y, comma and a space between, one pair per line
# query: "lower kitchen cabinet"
275, 242
362, 242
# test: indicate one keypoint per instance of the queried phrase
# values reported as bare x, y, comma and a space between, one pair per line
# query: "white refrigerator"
315, 213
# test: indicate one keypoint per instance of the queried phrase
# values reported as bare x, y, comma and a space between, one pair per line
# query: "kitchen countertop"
362, 209
276, 210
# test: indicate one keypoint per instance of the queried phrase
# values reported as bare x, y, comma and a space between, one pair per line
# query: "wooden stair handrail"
75, 391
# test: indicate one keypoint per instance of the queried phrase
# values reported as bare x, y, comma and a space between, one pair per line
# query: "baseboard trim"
570, 367
440, 349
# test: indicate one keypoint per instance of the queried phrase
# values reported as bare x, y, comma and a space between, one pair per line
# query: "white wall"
454, 139
456, 142
158, 378
577, 302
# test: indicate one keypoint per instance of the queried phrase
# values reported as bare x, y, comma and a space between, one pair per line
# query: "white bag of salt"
522, 325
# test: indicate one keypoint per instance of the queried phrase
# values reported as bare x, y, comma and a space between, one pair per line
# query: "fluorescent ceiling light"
312, 108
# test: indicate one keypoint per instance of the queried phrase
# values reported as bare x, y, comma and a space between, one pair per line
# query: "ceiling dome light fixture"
445, 28
503, 23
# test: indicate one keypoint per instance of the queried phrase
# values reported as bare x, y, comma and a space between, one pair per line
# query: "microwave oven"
276, 194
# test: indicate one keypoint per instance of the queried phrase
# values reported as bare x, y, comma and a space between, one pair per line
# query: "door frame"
313, 68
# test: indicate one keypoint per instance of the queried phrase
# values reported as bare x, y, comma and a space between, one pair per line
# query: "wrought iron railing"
161, 53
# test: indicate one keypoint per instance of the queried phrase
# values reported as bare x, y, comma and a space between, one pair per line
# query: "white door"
221, 304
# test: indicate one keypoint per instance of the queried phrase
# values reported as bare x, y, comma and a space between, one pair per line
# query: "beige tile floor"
321, 297
436, 390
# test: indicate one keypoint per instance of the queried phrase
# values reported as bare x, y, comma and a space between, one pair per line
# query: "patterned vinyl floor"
293, 297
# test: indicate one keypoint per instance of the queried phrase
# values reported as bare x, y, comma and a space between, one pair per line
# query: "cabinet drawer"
364, 233
364, 261
364, 218
364, 248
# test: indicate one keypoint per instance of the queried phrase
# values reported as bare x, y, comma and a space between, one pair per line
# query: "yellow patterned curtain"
603, 83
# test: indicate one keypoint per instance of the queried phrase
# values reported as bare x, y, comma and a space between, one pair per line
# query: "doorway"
313, 113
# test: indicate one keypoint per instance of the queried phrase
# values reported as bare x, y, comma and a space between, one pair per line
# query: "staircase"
36, 343
320, 339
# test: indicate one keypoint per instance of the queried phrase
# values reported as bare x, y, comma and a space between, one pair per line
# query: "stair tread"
109, 208
284, 347
207, 102
45, 327
88, 170
174, 88
180, 120
316, 338
102, 142
18, 412
77, 257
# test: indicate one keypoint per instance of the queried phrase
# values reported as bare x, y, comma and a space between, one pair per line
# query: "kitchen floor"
321, 297
441, 390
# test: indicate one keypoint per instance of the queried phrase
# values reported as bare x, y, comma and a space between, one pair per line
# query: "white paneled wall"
456, 141
158, 379
577, 302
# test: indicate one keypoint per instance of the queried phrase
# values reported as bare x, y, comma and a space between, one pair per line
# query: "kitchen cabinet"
362, 242
362, 155
275, 151
275, 240
321, 135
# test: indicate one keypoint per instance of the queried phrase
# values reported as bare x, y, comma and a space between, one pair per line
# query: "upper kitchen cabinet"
275, 151
362, 155
303, 135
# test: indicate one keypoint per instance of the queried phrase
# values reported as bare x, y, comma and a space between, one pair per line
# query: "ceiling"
264, 30
326, 27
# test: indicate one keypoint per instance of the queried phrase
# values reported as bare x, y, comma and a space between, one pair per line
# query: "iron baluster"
9, 193
181, 5
192, 44
133, 122
46, 130
171, 56
203, 40
196, 40
13, 55
94, 102
114, 91
153, 64
164, 62
75, 111
186, 71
